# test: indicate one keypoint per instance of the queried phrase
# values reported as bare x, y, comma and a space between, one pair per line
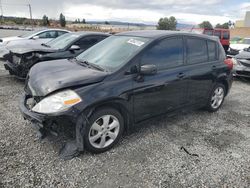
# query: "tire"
105, 125
215, 96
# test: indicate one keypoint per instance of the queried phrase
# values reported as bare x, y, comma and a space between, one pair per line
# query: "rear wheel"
104, 130
216, 98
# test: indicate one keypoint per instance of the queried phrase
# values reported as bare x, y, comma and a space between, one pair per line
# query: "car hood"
7, 39
49, 76
31, 47
243, 55
239, 46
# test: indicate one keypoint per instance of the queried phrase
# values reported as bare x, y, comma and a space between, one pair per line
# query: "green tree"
167, 23
106, 23
62, 20
83, 21
222, 26
206, 25
45, 21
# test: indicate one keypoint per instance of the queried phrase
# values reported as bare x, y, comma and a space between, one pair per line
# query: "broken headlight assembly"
58, 102
16, 59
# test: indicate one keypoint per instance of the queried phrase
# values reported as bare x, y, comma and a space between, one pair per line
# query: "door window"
212, 50
226, 35
165, 54
87, 42
196, 51
47, 34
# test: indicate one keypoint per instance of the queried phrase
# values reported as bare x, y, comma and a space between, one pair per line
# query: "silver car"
242, 64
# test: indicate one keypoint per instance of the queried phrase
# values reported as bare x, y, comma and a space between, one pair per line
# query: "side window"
47, 34
196, 51
167, 53
59, 33
226, 35
212, 50
87, 42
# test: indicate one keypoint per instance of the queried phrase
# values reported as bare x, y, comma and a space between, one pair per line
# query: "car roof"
86, 33
155, 34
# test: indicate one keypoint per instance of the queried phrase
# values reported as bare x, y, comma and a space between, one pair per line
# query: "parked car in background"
123, 80
236, 48
40, 36
242, 64
20, 59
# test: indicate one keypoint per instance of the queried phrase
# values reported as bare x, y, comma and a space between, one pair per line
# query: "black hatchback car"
123, 80
19, 59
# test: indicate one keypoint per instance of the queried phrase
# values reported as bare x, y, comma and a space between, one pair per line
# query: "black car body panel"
19, 59
50, 76
138, 97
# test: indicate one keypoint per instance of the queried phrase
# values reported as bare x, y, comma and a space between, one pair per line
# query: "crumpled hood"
243, 55
239, 46
31, 47
7, 39
50, 76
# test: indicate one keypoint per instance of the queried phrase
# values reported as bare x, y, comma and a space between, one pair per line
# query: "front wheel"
216, 98
104, 130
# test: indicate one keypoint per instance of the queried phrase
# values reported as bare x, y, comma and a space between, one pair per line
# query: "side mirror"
74, 47
148, 69
35, 37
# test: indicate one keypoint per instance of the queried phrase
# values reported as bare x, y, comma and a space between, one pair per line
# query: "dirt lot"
149, 157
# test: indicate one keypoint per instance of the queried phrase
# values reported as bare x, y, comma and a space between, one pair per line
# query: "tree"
106, 23
223, 26
167, 23
83, 21
45, 21
62, 20
206, 25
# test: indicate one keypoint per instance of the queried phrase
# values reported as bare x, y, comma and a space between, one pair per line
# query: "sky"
136, 11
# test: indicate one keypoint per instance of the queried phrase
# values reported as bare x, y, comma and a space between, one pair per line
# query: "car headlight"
17, 59
57, 102
235, 62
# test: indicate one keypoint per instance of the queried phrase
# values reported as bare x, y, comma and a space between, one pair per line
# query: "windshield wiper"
88, 64
46, 45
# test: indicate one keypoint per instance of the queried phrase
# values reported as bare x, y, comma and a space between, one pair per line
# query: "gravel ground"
149, 157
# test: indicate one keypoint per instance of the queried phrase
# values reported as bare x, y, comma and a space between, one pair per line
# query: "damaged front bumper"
14, 69
42, 124
241, 71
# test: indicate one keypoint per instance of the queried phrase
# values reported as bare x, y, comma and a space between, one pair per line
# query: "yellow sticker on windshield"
135, 42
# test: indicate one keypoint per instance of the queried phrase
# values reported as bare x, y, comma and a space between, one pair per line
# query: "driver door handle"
181, 75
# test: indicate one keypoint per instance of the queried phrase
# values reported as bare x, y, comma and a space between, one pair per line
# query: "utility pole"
1, 10
30, 14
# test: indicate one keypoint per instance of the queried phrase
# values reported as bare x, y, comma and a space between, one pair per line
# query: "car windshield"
29, 34
62, 41
113, 52
246, 41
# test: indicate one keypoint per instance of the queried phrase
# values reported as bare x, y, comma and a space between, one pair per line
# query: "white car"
41, 36
234, 49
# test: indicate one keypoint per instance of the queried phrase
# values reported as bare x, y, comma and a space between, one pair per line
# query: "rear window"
218, 34
226, 35
212, 50
207, 32
196, 51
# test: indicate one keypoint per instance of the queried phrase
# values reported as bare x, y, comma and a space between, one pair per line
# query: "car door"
202, 59
166, 90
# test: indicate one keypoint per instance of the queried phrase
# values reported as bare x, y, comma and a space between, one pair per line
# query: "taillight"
229, 63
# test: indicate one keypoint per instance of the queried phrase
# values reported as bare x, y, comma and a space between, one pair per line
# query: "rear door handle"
181, 75
214, 67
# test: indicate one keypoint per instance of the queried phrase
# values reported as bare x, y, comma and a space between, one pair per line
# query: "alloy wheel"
104, 131
217, 97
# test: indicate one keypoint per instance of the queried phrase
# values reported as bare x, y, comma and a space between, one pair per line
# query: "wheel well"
117, 106
224, 82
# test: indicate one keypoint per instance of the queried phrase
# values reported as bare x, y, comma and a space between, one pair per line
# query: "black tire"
94, 117
209, 105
